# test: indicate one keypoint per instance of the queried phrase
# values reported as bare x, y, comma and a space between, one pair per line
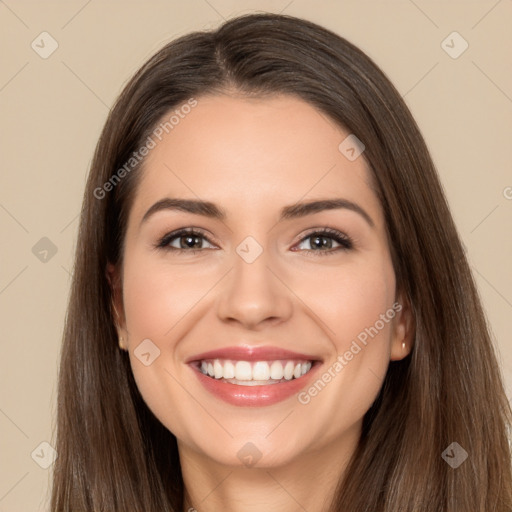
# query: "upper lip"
247, 353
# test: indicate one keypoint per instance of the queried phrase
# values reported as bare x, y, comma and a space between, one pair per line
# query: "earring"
403, 345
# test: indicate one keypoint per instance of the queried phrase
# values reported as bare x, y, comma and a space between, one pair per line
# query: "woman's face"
261, 276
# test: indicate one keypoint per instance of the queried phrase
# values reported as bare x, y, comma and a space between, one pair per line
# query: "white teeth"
288, 370
243, 370
276, 370
252, 382
261, 371
256, 373
229, 370
217, 369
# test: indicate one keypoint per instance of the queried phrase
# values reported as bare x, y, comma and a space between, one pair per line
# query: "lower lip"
255, 396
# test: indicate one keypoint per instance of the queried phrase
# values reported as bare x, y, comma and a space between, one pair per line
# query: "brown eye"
188, 240
324, 241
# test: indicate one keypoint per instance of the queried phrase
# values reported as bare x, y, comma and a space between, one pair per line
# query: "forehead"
253, 153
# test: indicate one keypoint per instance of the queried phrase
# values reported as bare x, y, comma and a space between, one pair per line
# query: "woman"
271, 307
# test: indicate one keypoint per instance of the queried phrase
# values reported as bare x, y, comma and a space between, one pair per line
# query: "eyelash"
344, 240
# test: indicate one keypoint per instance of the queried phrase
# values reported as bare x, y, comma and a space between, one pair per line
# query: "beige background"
53, 110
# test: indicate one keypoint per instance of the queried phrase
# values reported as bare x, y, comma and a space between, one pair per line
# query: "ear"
403, 328
117, 308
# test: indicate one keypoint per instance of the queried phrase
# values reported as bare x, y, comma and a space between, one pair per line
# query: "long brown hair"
114, 455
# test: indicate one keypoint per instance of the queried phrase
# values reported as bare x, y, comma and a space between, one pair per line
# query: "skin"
252, 157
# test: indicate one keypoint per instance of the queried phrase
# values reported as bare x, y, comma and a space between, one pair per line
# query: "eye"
191, 240
321, 241
184, 240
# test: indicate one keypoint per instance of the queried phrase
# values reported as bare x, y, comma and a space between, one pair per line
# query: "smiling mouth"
254, 373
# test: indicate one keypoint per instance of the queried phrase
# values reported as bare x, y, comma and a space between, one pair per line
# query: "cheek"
355, 304
350, 298
157, 296
361, 302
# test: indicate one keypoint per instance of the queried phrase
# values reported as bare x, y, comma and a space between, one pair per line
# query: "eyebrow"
211, 210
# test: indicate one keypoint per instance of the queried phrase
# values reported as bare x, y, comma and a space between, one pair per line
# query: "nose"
253, 294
